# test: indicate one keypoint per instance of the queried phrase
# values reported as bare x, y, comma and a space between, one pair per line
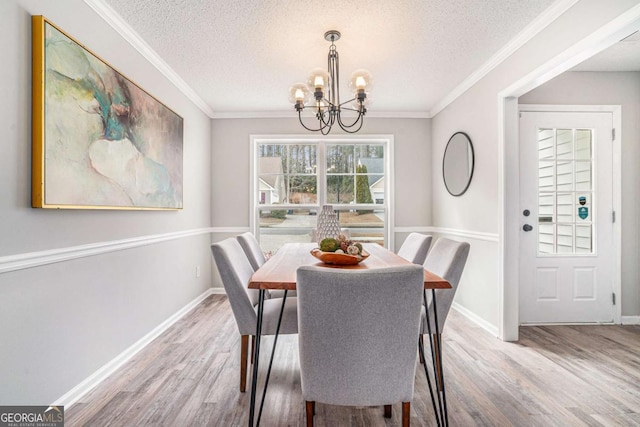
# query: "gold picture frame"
99, 141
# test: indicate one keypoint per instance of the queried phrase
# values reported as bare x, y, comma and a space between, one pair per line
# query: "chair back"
252, 248
358, 333
415, 248
235, 272
446, 259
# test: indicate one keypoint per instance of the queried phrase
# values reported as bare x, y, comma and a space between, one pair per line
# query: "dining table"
279, 273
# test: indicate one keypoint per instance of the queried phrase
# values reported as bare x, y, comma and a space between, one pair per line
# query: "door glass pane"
583, 175
545, 143
564, 176
564, 144
565, 191
584, 239
565, 238
546, 175
546, 238
546, 208
583, 144
565, 207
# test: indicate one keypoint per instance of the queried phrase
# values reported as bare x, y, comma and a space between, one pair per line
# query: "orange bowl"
339, 259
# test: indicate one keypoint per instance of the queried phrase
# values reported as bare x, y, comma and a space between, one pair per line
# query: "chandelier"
321, 94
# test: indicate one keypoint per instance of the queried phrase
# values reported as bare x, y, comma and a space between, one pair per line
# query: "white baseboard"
73, 395
630, 320
493, 330
218, 291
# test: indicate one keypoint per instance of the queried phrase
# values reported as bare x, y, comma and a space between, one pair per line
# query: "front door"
566, 203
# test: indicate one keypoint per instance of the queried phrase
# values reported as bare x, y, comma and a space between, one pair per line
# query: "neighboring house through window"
294, 177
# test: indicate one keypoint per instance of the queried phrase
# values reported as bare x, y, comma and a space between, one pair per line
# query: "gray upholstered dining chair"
415, 248
446, 259
235, 272
357, 336
256, 257
252, 248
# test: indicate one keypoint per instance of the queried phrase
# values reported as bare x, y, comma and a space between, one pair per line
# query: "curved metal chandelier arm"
323, 125
347, 128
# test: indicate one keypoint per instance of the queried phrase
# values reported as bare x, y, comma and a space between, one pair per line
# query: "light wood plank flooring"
554, 376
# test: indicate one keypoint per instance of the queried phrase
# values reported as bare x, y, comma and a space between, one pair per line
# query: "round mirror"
457, 164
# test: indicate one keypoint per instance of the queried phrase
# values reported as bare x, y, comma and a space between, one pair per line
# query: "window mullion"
322, 173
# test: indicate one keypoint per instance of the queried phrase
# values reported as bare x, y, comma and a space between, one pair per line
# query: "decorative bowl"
337, 258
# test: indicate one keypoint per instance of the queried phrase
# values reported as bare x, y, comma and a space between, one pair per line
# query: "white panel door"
566, 203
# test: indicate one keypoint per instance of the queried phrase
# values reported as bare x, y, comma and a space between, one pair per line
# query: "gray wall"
61, 322
476, 112
230, 164
610, 88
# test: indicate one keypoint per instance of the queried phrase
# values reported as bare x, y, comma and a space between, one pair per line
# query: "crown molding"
112, 18
552, 13
292, 115
130, 35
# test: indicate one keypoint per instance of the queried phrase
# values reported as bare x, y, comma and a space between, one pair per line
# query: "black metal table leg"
440, 410
256, 356
273, 352
440, 373
426, 374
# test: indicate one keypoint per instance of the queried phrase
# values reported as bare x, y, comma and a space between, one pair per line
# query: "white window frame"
385, 140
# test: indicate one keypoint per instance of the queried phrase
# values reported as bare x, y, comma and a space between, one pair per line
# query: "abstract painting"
99, 140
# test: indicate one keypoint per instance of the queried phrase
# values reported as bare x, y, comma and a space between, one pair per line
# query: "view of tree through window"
295, 179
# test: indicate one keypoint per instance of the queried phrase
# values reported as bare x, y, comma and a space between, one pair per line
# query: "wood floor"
554, 376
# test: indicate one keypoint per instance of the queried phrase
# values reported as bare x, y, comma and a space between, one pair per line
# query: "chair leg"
253, 346
244, 344
436, 349
406, 414
311, 410
387, 411
421, 338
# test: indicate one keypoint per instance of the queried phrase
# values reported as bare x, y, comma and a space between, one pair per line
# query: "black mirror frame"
473, 164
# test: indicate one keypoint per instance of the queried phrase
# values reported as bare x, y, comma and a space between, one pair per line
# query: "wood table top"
279, 272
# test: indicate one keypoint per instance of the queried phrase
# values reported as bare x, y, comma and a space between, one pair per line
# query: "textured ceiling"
242, 56
622, 56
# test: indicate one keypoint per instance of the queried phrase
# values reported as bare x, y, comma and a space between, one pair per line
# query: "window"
293, 178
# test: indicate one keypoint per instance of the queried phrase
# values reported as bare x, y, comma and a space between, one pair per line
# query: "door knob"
527, 227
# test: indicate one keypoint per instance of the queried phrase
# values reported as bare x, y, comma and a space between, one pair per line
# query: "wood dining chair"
357, 336
446, 259
415, 248
235, 272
